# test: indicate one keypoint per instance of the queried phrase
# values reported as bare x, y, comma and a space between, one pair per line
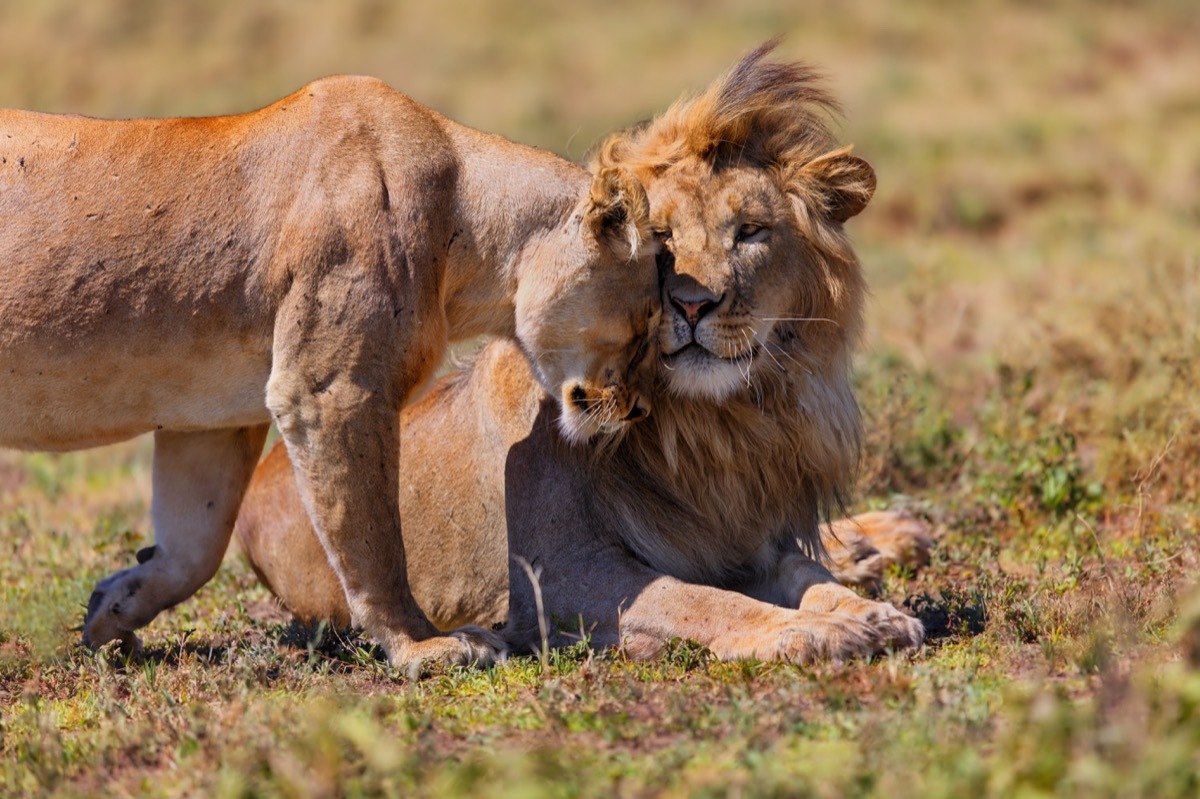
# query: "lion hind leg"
198, 482
861, 547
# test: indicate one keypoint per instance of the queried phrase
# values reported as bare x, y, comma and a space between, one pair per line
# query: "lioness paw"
465, 646
114, 611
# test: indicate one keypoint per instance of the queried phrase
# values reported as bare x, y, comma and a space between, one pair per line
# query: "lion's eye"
750, 232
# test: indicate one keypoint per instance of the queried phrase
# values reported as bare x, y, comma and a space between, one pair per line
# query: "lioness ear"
619, 212
842, 183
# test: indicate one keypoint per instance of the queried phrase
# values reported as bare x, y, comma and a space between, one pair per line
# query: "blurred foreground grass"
1030, 382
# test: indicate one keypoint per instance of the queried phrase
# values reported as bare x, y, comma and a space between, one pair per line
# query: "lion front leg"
737, 627
198, 482
622, 602
797, 581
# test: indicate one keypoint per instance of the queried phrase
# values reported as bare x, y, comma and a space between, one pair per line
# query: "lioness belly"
129, 276
96, 394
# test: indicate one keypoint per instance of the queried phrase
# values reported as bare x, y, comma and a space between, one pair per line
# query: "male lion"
305, 263
702, 522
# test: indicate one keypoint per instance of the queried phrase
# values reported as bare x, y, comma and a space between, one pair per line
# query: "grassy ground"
1030, 382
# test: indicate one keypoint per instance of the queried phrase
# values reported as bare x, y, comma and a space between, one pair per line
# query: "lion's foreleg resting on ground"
198, 482
735, 626
621, 601
335, 400
797, 581
641, 610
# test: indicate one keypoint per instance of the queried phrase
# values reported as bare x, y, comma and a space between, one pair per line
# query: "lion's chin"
695, 373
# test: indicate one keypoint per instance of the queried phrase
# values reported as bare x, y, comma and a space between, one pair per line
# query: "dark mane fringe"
763, 113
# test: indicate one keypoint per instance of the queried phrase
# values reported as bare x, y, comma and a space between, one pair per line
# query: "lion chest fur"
714, 492
143, 262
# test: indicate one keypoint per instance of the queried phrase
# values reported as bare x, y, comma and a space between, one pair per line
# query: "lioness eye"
642, 348
749, 230
663, 235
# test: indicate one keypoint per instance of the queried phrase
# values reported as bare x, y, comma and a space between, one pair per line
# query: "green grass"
1029, 380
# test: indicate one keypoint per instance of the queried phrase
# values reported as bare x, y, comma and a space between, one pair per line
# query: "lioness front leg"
198, 482
334, 396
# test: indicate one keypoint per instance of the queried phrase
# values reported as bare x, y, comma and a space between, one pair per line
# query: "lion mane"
782, 451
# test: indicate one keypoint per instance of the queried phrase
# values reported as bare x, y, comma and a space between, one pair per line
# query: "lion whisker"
799, 319
781, 351
748, 352
778, 362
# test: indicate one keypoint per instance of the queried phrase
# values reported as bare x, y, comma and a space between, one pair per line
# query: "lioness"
306, 263
702, 522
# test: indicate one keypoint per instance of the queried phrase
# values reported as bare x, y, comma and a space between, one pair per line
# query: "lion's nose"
695, 309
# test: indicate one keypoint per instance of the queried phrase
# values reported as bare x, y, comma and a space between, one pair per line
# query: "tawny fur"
704, 521
307, 264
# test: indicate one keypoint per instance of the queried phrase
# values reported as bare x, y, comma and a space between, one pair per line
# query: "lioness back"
163, 245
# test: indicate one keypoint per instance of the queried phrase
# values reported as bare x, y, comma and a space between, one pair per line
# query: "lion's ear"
842, 183
618, 213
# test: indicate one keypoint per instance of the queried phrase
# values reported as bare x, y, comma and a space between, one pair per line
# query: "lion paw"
862, 547
899, 536
838, 637
828, 637
895, 629
853, 560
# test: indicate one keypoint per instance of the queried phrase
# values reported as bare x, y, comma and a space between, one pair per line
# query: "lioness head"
588, 308
748, 193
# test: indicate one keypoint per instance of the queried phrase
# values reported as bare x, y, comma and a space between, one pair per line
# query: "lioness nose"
638, 411
694, 310
579, 398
